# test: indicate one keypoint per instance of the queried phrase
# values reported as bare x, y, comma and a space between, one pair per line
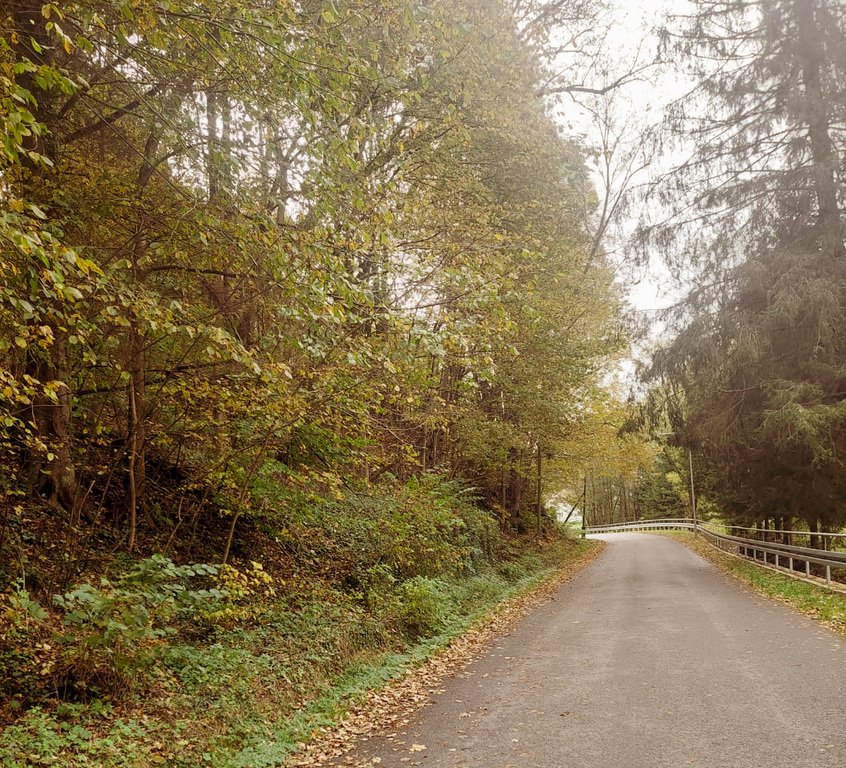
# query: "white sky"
646, 99
637, 105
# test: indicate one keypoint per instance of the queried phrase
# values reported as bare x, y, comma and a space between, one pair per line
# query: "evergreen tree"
755, 376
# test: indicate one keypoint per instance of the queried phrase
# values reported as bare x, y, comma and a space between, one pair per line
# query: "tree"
754, 377
766, 127
757, 384
255, 242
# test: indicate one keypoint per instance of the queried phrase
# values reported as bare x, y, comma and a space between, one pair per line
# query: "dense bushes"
422, 527
104, 638
207, 668
386, 562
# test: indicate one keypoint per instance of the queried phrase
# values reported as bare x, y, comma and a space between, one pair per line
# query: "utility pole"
692, 492
539, 509
584, 506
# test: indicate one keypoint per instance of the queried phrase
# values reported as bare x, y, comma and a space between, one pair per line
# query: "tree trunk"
136, 363
212, 147
811, 55
137, 431
814, 527
230, 536
61, 468
515, 488
54, 475
539, 507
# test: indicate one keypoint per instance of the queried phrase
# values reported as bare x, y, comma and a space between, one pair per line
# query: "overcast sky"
634, 27
637, 105
644, 100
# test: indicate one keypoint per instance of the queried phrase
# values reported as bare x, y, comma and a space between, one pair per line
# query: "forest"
312, 317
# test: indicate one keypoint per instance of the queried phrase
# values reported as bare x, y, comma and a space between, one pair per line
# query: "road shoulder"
826, 607
392, 706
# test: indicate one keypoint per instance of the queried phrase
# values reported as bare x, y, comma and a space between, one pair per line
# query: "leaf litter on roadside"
386, 711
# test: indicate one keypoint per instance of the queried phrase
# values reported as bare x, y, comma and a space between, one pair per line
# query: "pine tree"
757, 368
764, 126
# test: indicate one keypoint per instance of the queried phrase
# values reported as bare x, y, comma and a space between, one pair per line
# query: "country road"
649, 658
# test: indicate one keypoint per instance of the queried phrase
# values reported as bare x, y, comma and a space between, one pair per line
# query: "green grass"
827, 607
248, 696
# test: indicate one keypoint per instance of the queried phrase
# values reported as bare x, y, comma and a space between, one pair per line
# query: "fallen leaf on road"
385, 709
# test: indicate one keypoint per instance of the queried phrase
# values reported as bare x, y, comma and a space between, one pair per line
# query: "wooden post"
692, 491
539, 509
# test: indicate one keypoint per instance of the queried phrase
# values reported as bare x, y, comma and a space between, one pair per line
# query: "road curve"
649, 658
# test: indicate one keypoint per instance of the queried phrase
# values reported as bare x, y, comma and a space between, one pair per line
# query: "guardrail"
828, 541
661, 524
782, 557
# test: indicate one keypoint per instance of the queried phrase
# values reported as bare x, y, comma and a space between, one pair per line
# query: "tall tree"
755, 376
765, 120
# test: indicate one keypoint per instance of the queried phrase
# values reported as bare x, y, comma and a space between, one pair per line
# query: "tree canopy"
754, 378
309, 245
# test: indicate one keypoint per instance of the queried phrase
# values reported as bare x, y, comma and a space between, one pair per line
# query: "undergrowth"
233, 666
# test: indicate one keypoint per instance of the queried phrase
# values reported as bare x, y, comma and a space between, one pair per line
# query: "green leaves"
268, 233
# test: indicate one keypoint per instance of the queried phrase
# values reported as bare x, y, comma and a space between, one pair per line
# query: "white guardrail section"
784, 557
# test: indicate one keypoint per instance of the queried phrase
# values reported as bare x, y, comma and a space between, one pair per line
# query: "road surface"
649, 658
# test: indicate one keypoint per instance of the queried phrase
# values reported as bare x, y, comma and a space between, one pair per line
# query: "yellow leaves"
245, 591
673, 478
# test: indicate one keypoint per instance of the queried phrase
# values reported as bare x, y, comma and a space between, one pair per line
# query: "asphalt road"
649, 658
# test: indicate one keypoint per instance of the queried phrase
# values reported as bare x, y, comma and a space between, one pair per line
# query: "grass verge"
412, 681
254, 695
829, 608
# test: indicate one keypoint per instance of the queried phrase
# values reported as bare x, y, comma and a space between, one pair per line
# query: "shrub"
26, 652
426, 526
424, 606
245, 594
113, 632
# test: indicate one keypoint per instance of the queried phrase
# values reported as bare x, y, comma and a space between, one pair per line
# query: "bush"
113, 633
424, 606
427, 526
245, 592
105, 638
26, 653
40, 738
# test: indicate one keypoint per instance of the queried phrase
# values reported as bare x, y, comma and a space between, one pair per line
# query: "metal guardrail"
661, 524
829, 541
784, 557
